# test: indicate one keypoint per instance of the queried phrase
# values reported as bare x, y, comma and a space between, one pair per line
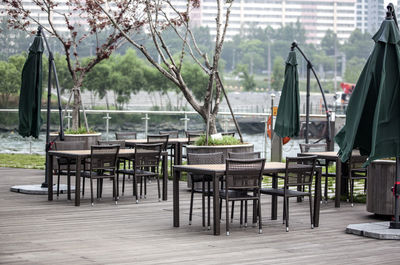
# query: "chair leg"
68, 183
115, 189
233, 210
227, 213
287, 213
58, 181
241, 213
83, 187
135, 191
259, 213
245, 213
141, 187
145, 186
158, 186
311, 213
255, 211
191, 204
351, 191
203, 203
123, 184
91, 191
209, 205
326, 183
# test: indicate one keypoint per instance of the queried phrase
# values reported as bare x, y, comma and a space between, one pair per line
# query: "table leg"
178, 153
216, 206
338, 182
50, 178
165, 177
78, 182
317, 198
274, 199
175, 197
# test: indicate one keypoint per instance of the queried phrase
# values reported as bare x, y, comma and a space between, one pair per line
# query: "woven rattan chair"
299, 172
244, 155
170, 147
198, 159
103, 163
244, 177
66, 166
159, 138
146, 164
356, 172
306, 148
125, 135
193, 135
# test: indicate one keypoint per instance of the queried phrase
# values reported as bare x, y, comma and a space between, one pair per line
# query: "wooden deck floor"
35, 231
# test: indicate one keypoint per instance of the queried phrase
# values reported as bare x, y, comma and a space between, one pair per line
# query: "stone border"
379, 230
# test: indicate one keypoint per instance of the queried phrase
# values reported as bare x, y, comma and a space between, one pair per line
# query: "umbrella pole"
308, 100
396, 192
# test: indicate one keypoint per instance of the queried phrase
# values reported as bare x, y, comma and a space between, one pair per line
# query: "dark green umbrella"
373, 114
288, 119
31, 91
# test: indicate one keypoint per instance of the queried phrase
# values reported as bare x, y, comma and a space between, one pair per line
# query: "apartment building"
369, 15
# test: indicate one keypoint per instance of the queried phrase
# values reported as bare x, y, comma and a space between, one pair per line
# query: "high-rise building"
315, 16
369, 15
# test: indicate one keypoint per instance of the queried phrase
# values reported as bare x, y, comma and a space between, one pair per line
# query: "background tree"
278, 73
246, 80
353, 69
91, 22
153, 18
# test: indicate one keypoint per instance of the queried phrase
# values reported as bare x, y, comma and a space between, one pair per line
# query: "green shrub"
226, 140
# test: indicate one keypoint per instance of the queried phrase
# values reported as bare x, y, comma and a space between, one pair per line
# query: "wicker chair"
244, 155
193, 135
306, 148
244, 178
170, 148
125, 135
146, 165
159, 138
103, 163
66, 166
197, 159
356, 172
299, 172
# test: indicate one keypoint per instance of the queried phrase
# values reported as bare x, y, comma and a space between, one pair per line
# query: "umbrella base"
394, 225
379, 230
39, 190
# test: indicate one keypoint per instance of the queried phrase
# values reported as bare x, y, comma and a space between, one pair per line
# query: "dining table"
80, 155
271, 169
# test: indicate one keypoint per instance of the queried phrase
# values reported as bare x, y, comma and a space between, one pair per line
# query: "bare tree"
83, 20
155, 16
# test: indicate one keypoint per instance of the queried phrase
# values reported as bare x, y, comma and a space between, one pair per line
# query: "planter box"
381, 176
225, 149
89, 139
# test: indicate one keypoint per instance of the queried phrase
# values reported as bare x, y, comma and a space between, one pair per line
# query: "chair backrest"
171, 133
305, 148
193, 136
121, 143
148, 155
228, 134
356, 160
299, 170
205, 158
159, 138
104, 157
125, 135
244, 173
244, 155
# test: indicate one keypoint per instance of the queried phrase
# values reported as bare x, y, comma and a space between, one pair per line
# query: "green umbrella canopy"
31, 91
373, 114
288, 118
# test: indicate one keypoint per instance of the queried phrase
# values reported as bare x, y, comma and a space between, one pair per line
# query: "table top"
144, 141
219, 169
86, 153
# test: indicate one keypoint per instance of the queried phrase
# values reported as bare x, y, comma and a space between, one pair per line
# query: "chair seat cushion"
280, 192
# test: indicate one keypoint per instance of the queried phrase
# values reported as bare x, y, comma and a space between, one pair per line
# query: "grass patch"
81, 130
226, 140
22, 161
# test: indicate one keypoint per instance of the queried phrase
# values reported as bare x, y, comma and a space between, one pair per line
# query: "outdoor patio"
36, 231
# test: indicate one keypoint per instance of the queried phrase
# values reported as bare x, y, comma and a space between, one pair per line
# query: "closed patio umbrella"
31, 91
288, 119
373, 114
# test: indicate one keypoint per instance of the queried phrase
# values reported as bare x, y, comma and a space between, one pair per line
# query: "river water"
14, 143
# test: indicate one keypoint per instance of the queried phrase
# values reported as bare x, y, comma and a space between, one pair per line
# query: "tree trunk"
75, 109
212, 124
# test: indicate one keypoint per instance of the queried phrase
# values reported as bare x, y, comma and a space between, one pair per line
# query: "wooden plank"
36, 231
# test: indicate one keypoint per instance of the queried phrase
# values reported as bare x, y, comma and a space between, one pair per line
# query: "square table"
81, 155
217, 170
